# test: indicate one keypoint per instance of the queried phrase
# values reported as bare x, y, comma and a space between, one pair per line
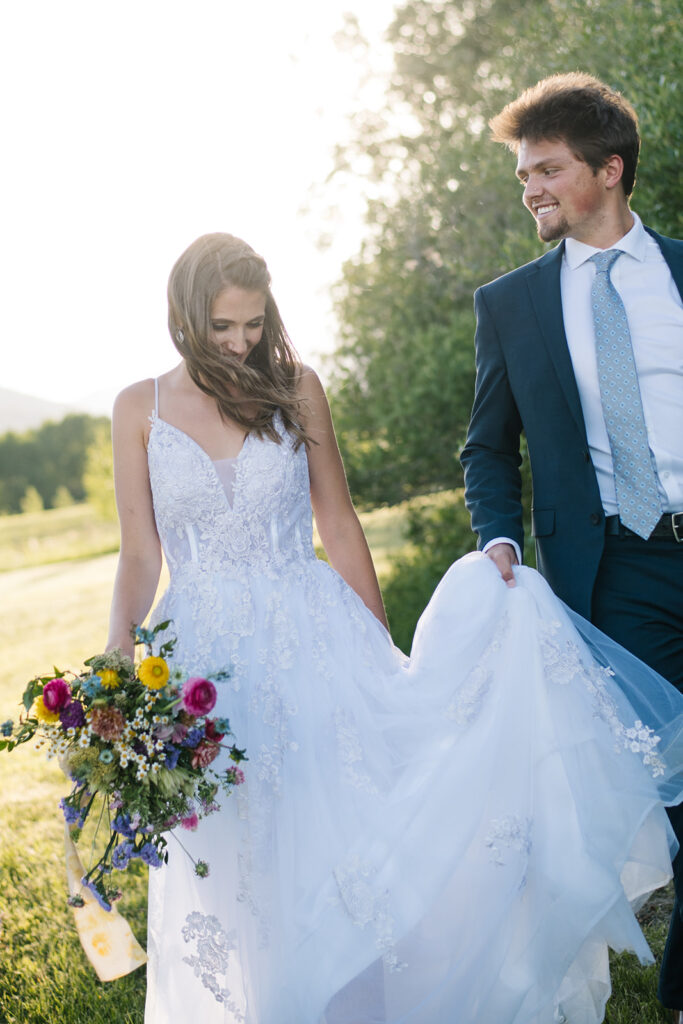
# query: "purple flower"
72, 815
72, 715
193, 737
122, 825
96, 893
172, 755
121, 856
148, 854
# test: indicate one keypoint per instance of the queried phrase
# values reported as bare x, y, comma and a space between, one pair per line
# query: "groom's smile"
562, 192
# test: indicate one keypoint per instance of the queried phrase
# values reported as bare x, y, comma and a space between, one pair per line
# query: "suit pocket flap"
542, 522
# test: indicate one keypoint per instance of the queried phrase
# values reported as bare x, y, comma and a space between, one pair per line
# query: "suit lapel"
672, 251
543, 281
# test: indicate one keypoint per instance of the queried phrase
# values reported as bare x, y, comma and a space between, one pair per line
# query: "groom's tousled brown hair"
594, 120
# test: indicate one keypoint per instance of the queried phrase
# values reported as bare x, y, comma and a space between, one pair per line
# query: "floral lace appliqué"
468, 701
510, 832
563, 664
350, 752
368, 907
214, 946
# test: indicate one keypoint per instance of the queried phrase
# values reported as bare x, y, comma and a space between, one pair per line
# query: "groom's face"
564, 195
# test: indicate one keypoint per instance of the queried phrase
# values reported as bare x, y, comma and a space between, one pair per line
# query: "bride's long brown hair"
248, 393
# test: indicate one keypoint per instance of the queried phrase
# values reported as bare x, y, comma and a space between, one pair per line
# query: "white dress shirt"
654, 310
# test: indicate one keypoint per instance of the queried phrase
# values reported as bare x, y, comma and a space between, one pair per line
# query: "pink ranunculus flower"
199, 696
56, 694
205, 753
190, 822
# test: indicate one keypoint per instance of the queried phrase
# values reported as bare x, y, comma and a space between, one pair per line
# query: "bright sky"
129, 129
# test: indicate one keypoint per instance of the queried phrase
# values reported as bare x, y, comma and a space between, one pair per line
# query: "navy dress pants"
638, 601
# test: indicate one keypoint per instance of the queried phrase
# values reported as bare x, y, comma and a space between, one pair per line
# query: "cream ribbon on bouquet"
105, 935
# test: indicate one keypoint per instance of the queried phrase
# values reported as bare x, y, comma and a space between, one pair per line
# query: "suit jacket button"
596, 518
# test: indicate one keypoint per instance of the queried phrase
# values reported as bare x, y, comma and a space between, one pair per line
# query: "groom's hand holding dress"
581, 350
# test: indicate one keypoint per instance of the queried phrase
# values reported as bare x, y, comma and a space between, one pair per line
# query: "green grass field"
36, 538
57, 613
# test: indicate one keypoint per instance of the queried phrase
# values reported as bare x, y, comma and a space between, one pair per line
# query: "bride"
458, 836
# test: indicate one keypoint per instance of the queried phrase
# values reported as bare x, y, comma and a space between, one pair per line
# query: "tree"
98, 477
32, 501
48, 458
445, 216
62, 497
446, 213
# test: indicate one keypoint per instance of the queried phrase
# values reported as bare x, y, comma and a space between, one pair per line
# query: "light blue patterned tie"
640, 507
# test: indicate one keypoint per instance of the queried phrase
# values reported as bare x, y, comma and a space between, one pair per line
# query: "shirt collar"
634, 243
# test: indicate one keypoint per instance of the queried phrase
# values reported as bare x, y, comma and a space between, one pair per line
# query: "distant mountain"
97, 403
24, 412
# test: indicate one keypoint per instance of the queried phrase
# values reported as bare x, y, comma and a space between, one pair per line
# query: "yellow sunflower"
44, 714
109, 678
153, 673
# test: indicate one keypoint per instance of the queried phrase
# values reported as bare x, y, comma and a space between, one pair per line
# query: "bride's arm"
336, 519
139, 565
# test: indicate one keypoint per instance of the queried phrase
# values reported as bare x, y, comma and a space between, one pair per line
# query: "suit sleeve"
491, 456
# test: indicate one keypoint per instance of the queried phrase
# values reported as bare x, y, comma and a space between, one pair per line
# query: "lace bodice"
268, 527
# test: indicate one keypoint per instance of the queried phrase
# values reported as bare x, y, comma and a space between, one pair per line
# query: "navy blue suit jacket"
525, 381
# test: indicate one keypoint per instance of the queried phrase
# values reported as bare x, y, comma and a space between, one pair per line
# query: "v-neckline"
179, 430
205, 455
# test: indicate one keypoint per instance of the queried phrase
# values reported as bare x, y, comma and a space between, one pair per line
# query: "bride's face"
237, 318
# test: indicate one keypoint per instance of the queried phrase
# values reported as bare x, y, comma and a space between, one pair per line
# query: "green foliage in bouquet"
137, 743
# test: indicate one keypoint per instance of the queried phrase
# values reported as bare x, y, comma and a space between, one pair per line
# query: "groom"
583, 351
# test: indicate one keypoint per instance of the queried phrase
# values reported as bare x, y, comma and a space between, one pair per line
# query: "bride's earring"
179, 337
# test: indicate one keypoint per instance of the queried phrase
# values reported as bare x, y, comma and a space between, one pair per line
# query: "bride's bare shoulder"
136, 398
133, 408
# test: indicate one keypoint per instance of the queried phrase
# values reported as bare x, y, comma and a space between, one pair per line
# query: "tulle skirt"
458, 836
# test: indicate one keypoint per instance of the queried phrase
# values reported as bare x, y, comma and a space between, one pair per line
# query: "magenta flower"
190, 822
56, 694
199, 696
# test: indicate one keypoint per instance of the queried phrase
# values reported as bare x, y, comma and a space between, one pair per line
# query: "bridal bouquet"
137, 742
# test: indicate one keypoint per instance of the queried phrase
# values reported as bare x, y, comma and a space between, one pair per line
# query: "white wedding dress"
450, 839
